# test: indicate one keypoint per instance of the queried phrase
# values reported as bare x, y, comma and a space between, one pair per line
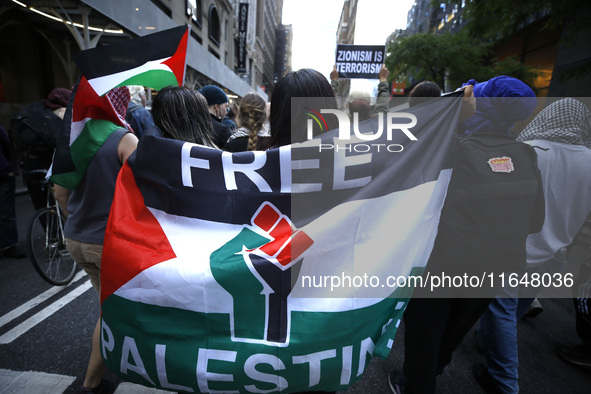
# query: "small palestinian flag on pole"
157, 60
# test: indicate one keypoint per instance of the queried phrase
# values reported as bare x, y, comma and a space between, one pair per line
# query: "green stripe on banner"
156, 79
183, 350
84, 148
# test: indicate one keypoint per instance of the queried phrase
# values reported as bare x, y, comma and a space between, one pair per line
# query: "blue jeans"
497, 336
497, 333
8, 229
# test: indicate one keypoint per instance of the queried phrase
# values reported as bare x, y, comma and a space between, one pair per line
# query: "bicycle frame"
47, 248
53, 203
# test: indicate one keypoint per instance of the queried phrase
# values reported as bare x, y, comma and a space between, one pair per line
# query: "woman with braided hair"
252, 125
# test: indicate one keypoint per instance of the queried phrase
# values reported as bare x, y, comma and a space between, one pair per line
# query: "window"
214, 25
195, 11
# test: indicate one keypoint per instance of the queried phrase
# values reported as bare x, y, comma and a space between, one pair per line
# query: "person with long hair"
182, 114
252, 126
306, 83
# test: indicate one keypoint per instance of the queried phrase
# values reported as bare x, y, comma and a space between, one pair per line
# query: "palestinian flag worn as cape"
268, 271
156, 61
88, 122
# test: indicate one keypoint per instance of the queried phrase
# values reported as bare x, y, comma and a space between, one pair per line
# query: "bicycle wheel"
47, 249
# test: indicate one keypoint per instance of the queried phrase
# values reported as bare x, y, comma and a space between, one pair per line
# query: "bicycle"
46, 242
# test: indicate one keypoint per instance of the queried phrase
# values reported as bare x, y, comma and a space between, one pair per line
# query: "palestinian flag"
88, 122
156, 60
284, 270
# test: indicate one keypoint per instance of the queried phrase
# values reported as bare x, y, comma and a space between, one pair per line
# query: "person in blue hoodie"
500, 103
435, 326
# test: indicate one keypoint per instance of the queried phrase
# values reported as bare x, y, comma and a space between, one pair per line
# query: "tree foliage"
454, 57
491, 19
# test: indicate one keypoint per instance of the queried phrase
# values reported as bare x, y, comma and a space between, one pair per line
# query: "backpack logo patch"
501, 164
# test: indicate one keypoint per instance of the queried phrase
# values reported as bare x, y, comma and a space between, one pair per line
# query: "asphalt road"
59, 344
540, 370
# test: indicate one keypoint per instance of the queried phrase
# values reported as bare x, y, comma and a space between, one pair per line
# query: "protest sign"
359, 61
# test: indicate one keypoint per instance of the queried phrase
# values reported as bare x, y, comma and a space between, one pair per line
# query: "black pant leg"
425, 321
464, 313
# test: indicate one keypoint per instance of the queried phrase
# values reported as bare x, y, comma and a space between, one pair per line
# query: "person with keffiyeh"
252, 122
88, 207
562, 135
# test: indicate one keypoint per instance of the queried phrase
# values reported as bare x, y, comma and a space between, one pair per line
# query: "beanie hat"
213, 95
57, 98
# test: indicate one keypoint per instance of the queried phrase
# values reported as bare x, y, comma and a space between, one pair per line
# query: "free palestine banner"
230, 273
156, 61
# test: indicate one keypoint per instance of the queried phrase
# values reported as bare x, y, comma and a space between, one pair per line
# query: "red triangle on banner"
132, 232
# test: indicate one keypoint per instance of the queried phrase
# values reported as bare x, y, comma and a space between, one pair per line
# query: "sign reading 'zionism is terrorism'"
220, 270
359, 61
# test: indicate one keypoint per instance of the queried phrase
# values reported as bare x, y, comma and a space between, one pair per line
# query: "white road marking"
43, 314
131, 388
33, 382
41, 382
27, 306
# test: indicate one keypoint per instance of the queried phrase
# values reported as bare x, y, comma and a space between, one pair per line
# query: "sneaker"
105, 387
534, 310
579, 355
396, 381
484, 379
15, 251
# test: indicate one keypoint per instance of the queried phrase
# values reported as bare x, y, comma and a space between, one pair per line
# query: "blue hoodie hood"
500, 102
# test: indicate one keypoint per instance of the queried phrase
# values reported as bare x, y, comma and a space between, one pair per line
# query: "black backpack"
34, 130
494, 200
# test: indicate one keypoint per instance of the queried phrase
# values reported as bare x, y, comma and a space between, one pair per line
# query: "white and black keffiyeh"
567, 121
244, 132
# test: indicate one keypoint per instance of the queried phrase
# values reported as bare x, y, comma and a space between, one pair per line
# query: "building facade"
560, 55
39, 36
283, 52
426, 17
255, 47
346, 35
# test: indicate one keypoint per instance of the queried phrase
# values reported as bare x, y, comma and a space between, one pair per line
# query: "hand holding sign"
384, 72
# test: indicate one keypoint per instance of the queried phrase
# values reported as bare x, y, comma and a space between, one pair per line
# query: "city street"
45, 334
211, 224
